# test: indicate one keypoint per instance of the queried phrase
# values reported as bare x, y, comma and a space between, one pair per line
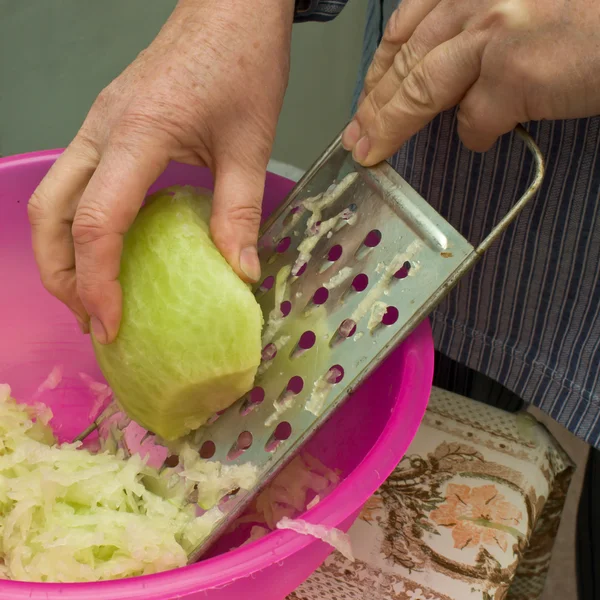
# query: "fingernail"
98, 330
81, 322
249, 263
351, 135
362, 149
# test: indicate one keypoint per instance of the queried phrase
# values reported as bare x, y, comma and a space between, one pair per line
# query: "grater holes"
334, 254
286, 308
335, 374
320, 296
306, 342
228, 497
403, 271
346, 329
253, 398
266, 285
391, 316
215, 417
360, 282
294, 386
172, 461
315, 228
347, 217
289, 218
298, 270
243, 443
283, 245
372, 240
282, 433
208, 450
269, 352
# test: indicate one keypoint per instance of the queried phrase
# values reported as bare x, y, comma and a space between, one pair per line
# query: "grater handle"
533, 188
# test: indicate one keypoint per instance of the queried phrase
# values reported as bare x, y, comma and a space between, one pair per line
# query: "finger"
437, 83
443, 23
399, 29
484, 115
51, 210
236, 216
107, 209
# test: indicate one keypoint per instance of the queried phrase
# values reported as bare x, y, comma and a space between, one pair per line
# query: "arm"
502, 61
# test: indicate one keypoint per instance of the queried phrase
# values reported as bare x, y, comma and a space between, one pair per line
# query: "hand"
503, 61
207, 91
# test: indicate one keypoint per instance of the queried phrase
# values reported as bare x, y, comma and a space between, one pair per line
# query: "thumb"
236, 216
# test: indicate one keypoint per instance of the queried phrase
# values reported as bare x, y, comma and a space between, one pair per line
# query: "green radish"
189, 343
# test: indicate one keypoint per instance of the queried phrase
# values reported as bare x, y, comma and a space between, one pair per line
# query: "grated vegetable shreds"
300, 485
52, 381
214, 480
68, 515
101, 392
334, 537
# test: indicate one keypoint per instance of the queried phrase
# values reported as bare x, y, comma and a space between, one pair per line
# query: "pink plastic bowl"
365, 440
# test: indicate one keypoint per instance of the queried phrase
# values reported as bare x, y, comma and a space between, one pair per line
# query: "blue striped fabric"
528, 316
318, 10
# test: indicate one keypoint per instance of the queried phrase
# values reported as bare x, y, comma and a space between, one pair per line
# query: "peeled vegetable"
190, 339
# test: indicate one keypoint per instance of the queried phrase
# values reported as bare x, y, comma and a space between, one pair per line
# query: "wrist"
266, 15
233, 6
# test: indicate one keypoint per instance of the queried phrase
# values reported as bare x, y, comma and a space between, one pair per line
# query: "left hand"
503, 61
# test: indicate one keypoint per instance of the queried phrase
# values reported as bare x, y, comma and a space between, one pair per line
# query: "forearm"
318, 10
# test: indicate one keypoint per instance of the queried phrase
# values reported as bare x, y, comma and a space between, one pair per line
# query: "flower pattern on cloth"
478, 516
470, 513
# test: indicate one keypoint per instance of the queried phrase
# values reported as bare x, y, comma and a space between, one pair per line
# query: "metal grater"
350, 268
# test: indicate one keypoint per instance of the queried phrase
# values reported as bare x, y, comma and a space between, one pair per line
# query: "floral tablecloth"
471, 513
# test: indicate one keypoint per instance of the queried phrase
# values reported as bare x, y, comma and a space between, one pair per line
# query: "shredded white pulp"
330, 535
69, 515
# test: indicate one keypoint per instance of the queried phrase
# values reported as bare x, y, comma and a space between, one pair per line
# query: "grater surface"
349, 270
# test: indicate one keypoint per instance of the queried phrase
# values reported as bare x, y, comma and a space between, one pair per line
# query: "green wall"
56, 55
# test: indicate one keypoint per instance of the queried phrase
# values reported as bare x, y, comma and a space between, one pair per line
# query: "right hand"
208, 91
503, 62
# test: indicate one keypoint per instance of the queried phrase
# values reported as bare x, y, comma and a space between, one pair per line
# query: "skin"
209, 89
503, 62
